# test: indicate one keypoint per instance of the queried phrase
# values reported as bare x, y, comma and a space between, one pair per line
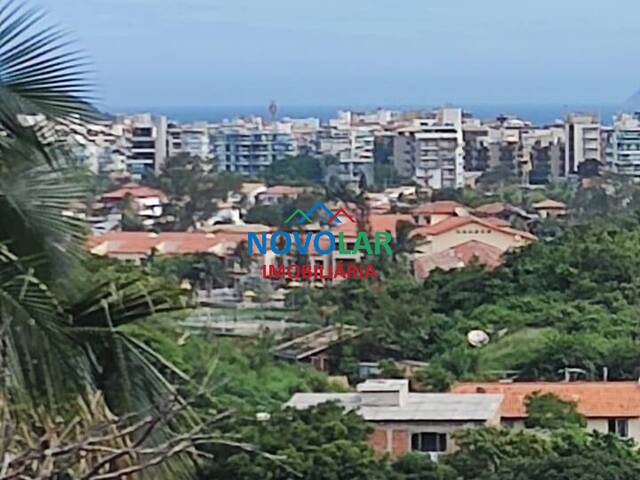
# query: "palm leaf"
37, 351
38, 216
39, 72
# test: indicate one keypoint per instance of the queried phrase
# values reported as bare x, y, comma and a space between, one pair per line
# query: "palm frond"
37, 351
39, 215
39, 72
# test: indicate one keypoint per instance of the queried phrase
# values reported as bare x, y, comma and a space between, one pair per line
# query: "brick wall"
389, 441
378, 441
400, 443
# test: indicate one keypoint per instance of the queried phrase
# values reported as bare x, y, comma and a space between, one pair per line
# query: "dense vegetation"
570, 302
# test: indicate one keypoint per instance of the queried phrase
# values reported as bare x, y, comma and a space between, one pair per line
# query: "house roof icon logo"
303, 217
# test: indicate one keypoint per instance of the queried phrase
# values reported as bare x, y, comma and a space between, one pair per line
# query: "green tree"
499, 454
549, 412
64, 331
193, 188
298, 170
319, 443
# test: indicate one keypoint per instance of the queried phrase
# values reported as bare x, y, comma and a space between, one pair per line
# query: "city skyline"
247, 52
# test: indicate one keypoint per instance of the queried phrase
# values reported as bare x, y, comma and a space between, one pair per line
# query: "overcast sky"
368, 52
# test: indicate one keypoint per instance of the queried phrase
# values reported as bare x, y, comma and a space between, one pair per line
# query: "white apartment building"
582, 133
346, 141
352, 144
190, 139
305, 133
431, 151
100, 146
147, 137
624, 146
249, 147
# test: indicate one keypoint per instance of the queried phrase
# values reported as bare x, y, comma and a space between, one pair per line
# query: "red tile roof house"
612, 407
404, 421
148, 200
431, 213
459, 256
136, 246
456, 230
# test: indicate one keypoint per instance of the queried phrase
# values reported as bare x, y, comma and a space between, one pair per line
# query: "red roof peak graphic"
342, 211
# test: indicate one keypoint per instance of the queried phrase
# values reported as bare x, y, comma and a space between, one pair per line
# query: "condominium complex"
431, 150
190, 139
624, 146
250, 147
444, 148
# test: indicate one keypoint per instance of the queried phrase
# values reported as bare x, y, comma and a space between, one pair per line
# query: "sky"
356, 52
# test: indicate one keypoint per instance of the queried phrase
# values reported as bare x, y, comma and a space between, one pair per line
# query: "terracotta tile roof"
377, 223
492, 208
445, 207
347, 228
167, 243
594, 399
250, 187
549, 204
136, 191
457, 222
481, 252
388, 222
498, 222
283, 190
458, 257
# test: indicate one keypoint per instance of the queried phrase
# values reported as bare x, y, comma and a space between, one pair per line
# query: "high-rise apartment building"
147, 135
624, 146
250, 147
582, 135
190, 139
431, 150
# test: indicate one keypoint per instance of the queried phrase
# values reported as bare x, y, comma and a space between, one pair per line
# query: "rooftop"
284, 190
458, 257
445, 207
136, 191
315, 342
457, 222
373, 407
549, 204
167, 243
594, 399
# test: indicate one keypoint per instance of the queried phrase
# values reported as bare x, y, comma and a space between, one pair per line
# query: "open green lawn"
512, 349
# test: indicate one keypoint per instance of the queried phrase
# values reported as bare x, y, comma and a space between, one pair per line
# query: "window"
619, 426
142, 132
429, 442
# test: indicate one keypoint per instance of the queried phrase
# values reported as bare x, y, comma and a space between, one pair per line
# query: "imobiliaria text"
324, 243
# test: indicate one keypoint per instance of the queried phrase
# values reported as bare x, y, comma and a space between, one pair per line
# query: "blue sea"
538, 114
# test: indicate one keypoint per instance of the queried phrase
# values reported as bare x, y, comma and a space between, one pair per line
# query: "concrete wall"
593, 424
394, 438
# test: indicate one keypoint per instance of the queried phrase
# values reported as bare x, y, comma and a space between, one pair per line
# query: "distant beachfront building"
249, 147
147, 143
431, 150
190, 139
624, 146
352, 141
583, 141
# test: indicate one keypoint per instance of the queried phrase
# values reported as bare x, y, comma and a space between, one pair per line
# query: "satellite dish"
263, 416
477, 338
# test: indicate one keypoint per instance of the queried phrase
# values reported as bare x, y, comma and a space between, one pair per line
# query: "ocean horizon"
541, 114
